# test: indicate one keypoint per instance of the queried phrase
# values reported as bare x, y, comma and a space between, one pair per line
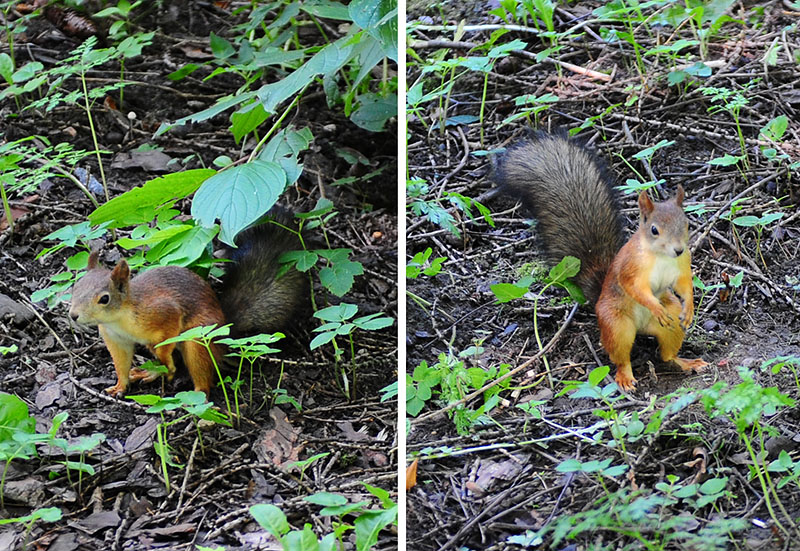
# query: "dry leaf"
411, 475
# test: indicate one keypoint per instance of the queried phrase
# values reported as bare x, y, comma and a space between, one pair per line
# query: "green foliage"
421, 263
451, 380
15, 425
193, 403
645, 517
416, 190
367, 525
338, 323
370, 41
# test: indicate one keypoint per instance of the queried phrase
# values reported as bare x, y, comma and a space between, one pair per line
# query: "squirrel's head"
98, 296
664, 225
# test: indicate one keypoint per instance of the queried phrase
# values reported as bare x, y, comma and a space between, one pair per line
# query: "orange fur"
154, 306
637, 294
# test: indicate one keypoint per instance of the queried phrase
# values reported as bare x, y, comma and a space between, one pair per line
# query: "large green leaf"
238, 196
370, 523
373, 112
138, 205
328, 60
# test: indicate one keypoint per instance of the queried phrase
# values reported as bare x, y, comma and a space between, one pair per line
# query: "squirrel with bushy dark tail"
163, 302
641, 286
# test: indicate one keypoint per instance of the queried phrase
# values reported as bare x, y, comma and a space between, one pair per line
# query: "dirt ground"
479, 490
60, 367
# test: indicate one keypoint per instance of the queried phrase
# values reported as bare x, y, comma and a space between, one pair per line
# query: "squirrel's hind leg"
164, 355
199, 364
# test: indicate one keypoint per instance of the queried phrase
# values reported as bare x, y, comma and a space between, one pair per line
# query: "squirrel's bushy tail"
253, 297
568, 192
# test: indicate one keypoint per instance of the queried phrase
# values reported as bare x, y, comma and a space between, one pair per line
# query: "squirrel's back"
567, 190
253, 297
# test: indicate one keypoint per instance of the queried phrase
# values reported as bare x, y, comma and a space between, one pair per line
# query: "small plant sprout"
339, 323
196, 407
250, 349
306, 463
759, 223
559, 276
205, 335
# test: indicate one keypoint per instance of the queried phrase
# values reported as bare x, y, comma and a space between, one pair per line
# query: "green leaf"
726, 160
328, 60
776, 128
568, 267
6, 67
246, 120
338, 278
326, 9
271, 519
373, 113
506, 292
338, 313
138, 205
326, 499
183, 72
221, 48
597, 375
370, 523
713, 485
323, 338
301, 540
304, 260
29, 70
346, 509
238, 196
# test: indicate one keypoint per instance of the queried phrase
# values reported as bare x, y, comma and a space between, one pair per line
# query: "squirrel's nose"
74, 316
679, 252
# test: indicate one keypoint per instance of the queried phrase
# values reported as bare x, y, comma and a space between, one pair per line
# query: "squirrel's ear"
679, 196
120, 275
93, 260
645, 204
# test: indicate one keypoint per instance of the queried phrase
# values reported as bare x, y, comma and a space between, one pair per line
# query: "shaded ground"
499, 481
61, 368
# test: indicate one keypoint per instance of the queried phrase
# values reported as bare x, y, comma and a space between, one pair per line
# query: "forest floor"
218, 473
528, 468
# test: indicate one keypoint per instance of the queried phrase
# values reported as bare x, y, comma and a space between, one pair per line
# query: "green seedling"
339, 323
559, 276
306, 463
451, 380
251, 349
196, 406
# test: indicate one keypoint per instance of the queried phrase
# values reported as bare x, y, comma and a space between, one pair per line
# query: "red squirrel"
643, 286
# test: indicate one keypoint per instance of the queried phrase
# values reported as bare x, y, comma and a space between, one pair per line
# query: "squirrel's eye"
103, 299
654, 230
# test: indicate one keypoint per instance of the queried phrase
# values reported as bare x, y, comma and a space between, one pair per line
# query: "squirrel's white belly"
664, 274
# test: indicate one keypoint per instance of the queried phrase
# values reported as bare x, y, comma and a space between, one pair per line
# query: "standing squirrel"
163, 302
643, 286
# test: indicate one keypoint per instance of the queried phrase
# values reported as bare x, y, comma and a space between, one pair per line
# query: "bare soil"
478, 490
219, 472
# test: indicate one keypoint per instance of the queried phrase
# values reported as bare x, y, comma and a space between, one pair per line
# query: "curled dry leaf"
411, 475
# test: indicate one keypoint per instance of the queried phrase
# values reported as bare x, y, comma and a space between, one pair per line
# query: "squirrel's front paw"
663, 317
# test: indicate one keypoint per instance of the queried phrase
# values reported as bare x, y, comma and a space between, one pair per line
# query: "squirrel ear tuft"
679, 196
120, 275
93, 260
645, 204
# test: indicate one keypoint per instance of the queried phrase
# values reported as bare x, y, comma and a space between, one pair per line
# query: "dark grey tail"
253, 297
568, 191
